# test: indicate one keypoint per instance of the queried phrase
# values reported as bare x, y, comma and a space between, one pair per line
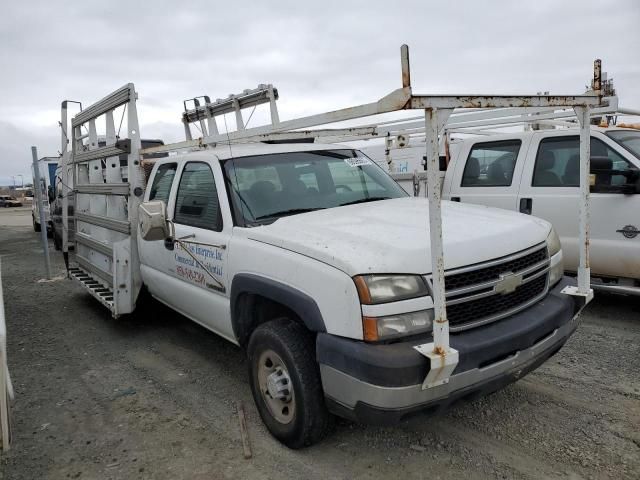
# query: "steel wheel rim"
276, 387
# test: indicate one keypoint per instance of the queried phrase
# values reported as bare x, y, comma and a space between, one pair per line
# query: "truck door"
488, 173
198, 260
549, 190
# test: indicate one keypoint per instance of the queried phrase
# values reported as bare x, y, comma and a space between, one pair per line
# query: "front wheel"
36, 225
286, 385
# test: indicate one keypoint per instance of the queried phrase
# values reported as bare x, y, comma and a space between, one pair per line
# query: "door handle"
455, 199
526, 205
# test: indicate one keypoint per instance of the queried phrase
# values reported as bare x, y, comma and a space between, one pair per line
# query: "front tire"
36, 225
285, 382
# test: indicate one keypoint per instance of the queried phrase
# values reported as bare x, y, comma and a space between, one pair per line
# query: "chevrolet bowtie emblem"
508, 283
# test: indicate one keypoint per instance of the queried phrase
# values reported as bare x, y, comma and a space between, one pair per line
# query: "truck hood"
392, 236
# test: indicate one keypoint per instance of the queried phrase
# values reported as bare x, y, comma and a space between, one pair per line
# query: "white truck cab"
537, 173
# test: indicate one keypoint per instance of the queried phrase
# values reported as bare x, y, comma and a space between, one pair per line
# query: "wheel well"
253, 310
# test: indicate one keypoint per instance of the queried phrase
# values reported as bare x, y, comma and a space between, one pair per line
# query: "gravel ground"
154, 396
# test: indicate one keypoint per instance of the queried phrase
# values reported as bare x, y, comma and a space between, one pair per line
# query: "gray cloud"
321, 56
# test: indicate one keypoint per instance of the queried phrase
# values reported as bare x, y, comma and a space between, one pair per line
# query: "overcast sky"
321, 55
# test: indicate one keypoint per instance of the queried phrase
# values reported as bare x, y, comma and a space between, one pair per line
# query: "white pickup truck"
312, 259
536, 173
316, 263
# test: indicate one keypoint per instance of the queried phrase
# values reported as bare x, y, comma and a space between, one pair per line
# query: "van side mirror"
152, 217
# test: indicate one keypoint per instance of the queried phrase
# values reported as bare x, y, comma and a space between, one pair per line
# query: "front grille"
487, 274
494, 305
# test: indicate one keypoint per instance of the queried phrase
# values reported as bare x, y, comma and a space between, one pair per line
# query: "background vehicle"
312, 259
537, 173
47, 167
9, 201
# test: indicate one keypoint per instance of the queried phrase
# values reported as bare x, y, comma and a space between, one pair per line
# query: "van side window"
491, 164
162, 181
558, 163
197, 200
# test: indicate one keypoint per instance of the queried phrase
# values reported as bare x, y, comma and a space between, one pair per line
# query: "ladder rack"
233, 103
461, 120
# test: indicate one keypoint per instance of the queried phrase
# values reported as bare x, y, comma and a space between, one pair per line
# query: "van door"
488, 173
199, 287
550, 185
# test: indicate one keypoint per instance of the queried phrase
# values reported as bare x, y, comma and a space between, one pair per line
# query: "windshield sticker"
357, 162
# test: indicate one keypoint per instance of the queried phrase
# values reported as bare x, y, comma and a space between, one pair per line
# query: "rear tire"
281, 355
36, 225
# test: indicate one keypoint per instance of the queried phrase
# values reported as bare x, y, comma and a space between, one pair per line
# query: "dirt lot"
153, 396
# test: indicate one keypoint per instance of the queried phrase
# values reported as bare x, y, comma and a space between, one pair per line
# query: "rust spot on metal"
439, 351
406, 71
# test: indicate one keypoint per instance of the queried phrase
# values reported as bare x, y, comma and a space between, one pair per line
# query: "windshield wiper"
364, 200
291, 211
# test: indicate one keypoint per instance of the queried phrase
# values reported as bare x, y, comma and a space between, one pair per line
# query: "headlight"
556, 267
400, 325
374, 289
553, 243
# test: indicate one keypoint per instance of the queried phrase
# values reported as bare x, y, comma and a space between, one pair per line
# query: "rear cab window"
491, 164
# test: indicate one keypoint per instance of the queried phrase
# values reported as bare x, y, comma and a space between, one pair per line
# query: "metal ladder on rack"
107, 198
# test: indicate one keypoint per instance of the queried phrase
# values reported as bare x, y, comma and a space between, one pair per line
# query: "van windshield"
266, 187
629, 139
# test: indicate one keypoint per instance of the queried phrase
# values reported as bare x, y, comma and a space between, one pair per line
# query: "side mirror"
152, 217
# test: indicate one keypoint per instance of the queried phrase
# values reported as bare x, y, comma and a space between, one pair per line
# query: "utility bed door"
549, 190
488, 173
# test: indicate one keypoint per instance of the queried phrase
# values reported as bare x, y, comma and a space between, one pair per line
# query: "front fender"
300, 303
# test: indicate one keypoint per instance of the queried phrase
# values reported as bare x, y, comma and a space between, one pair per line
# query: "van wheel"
286, 385
36, 225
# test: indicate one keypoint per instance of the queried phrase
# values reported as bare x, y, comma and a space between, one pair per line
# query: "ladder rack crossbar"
110, 102
246, 99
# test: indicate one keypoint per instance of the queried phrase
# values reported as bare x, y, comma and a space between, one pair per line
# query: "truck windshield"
629, 139
266, 187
